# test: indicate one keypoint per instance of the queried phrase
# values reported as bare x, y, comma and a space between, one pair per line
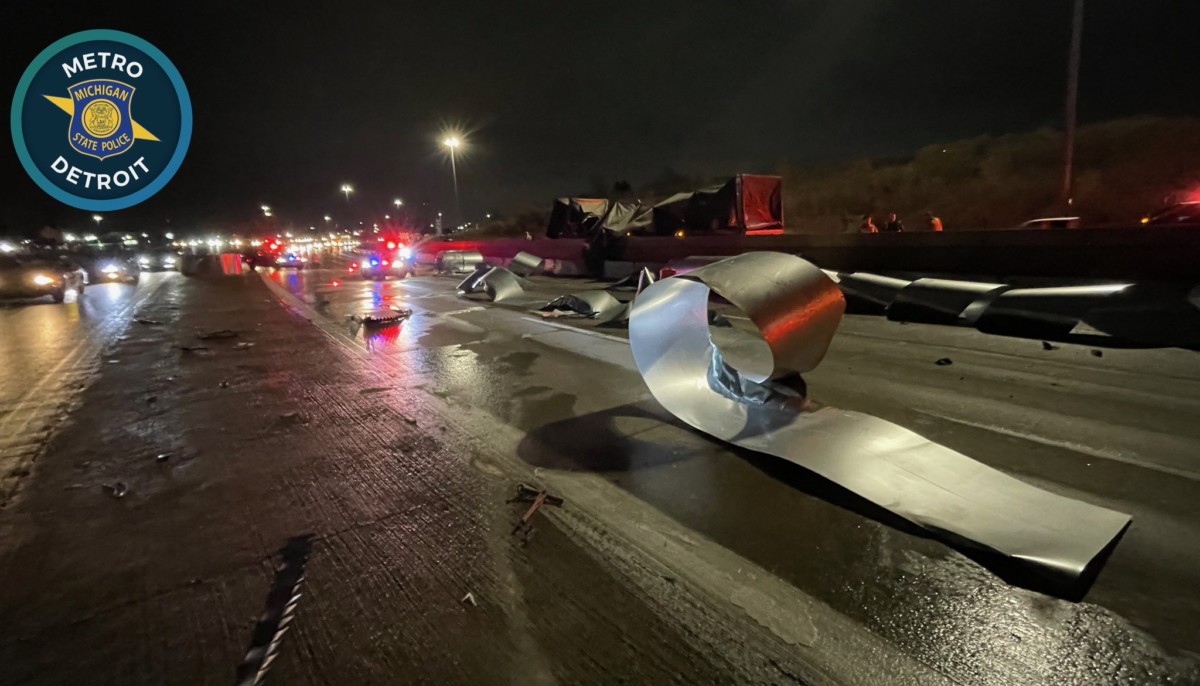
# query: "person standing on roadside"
894, 225
867, 225
935, 223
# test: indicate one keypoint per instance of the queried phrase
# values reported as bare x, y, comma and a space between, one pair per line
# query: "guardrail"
1160, 253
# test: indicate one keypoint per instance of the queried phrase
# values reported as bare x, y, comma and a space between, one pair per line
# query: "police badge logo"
85, 84
101, 125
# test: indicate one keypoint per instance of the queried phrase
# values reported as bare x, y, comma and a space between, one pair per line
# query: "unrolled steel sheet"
498, 283
943, 301
525, 264
749, 393
458, 261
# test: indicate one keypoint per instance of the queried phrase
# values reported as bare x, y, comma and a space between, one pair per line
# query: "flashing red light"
352, 267
391, 245
335, 282
385, 263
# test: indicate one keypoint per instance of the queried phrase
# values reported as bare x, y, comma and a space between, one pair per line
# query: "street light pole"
1068, 181
347, 190
453, 142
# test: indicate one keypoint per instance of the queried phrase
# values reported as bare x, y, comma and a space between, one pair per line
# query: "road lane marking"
1098, 453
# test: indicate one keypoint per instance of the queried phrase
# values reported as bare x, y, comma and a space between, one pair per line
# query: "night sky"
292, 99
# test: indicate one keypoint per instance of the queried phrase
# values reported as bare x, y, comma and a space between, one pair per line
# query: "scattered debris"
371, 391
537, 498
223, 384
1097, 353
717, 319
525, 264
116, 490
469, 598
244, 345
1047, 345
198, 349
278, 612
219, 333
388, 317
151, 399
112, 361
147, 322
162, 457
291, 419
944, 362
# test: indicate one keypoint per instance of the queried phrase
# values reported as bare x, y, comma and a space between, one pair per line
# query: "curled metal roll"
746, 390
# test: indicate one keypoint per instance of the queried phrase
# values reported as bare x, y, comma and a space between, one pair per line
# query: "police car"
381, 259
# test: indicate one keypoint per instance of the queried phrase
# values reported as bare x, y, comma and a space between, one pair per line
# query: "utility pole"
1068, 182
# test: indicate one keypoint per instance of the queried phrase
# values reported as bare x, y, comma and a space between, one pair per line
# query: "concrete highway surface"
674, 559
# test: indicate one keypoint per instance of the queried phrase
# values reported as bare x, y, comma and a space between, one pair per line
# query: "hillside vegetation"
1124, 168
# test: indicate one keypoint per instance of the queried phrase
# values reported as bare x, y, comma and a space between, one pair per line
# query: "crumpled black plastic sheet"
749, 394
596, 305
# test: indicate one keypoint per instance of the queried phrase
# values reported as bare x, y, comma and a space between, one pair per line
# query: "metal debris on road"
243, 345
291, 419
1097, 353
525, 264
944, 362
147, 322
751, 402
223, 384
198, 349
162, 457
457, 261
637, 281
537, 498
386, 317
498, 283
278, 613
116, 490
469, 598
218, 334
1047, 345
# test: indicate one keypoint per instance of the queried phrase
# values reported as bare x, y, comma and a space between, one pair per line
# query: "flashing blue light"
374, 262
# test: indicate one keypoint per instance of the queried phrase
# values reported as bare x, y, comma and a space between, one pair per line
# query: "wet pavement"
48, 354
675, 559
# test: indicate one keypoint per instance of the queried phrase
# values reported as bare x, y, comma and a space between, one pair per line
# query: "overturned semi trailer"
744, 204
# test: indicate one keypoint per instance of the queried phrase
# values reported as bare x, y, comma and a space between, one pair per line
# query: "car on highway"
37, 277
158, 260
113, 267
1179, 213
290, 261
1052, 223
